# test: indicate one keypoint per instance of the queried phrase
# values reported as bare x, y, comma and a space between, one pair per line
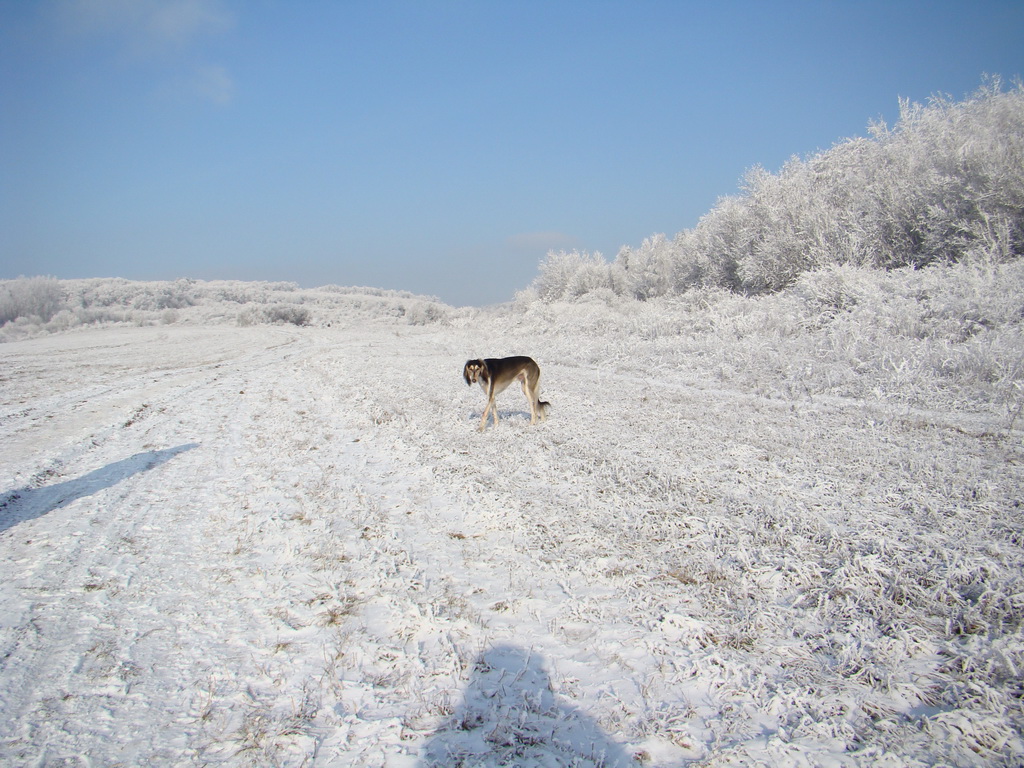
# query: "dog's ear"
465, 372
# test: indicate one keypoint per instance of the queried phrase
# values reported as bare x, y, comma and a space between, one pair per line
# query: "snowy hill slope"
289, 546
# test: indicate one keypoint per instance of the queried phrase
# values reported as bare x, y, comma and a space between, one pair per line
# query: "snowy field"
289, 546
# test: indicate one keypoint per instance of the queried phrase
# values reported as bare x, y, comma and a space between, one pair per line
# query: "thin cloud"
158, 33
214, 84
146, 26
183, 21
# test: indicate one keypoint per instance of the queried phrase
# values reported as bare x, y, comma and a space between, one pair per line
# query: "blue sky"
439, 147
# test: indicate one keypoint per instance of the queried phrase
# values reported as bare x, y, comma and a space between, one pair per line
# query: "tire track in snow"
90, 382
221, 600
75, 562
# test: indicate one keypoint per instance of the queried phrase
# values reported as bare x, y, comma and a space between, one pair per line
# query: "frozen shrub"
649, 270
283, 314
832, 289
166, 296
30, 297
277, 314
248, 317
426, 313
568, 275
62, 321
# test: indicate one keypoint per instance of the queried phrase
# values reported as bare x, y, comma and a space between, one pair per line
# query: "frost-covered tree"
650, 269
945, 183
569, 275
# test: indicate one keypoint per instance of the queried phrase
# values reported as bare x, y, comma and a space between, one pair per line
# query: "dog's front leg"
483, 419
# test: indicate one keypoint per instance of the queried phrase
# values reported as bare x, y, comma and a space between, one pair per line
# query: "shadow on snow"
30, 503
509, 716
510, 415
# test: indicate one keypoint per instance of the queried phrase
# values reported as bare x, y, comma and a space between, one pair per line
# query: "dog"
495, 374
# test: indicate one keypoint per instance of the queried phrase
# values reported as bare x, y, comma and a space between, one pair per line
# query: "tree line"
945, 183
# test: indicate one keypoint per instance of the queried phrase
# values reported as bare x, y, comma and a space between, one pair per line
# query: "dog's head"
473, 370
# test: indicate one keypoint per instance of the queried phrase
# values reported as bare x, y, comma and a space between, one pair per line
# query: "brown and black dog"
495, 374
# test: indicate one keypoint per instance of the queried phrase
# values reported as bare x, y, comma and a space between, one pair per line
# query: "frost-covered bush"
946, 336
115, 300
282, 314
426, 313
832, 289
145, 296
276, 314
160, 296
649, 270
37, 298
106, 292
568, 275
370, 291
947, 331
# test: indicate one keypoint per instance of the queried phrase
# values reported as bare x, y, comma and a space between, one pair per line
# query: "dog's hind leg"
532, 392
528, 394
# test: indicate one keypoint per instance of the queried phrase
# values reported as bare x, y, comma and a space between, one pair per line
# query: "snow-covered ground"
289, 546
